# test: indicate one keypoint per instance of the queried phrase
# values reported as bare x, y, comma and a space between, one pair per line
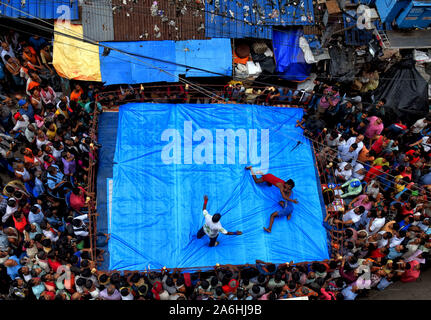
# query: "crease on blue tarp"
289, 57
214, 55
157, 208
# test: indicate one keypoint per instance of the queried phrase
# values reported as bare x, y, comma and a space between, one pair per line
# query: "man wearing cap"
22, 122
212, 226
26, 109
231, 287
354, 187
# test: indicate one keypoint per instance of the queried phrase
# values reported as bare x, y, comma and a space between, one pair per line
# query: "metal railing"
91, 189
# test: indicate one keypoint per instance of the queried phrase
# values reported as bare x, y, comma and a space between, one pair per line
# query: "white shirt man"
212, 229
51, 234
419, 125
9, 211
426, 143
80, 229
375, 226
372, 189
7, 52
348, 153
344, 170
382, 242
335, 142
395, 241
352, 140
21, 124
353, 215
356, 172
29, 135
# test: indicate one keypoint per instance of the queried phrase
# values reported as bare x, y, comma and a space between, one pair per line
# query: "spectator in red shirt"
414, 156
412, 272
77, 198
375, 171
379, 253
20, 221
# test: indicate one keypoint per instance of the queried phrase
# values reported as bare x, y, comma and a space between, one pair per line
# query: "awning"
75, 59
155, 61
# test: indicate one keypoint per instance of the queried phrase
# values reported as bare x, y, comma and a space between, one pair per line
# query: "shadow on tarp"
107, 133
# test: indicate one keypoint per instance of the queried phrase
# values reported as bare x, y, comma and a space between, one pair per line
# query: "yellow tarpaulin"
75, 59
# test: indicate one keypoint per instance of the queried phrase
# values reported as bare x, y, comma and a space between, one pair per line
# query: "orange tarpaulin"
75, 59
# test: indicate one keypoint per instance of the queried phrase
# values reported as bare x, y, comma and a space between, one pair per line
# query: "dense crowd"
45, 146
378, 166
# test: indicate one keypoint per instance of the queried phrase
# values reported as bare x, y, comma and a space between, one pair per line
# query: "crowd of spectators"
46, 145
378, 165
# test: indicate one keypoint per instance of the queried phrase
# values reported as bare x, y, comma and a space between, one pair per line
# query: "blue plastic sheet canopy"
156, 61
289, 57
169, 156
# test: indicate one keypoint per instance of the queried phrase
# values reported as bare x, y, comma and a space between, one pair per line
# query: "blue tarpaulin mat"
289, 56
169, 156
151, 57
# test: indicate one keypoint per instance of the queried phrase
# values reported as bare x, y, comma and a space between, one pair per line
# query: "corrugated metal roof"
254, 18
136, 20
43, 9
97, 20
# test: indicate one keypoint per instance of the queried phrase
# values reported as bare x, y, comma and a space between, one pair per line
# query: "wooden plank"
332, 7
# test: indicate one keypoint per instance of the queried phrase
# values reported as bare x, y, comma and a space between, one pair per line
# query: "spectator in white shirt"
22, 122
376, 223
348, 153
352, 216
359, 172
344, 171
6, 50
420, 125
397, 239
334, 139
385, 240
12, 207
49, 232
79, 227
358, 140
